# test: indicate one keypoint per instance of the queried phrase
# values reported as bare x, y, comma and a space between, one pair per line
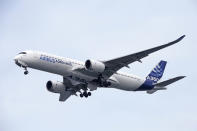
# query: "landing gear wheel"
81, 95
89, 94
85, 94
26, 72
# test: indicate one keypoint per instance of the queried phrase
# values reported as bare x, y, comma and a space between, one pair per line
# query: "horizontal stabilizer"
151, 91
168, 82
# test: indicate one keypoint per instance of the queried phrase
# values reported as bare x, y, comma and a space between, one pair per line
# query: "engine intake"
49, 85
56, 87
95, 66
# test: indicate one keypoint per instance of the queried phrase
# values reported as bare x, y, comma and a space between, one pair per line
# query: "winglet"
179, 39
181, 77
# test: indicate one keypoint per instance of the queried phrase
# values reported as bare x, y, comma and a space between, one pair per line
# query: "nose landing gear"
26, 71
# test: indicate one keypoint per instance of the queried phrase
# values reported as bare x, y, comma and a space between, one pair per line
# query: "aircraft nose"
16, 58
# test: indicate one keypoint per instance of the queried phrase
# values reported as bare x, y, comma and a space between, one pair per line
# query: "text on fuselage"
53, 60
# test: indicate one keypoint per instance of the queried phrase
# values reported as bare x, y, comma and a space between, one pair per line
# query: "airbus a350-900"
80, 78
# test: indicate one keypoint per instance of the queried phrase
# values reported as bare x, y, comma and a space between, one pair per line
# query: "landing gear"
89, 93
106, 84
85, 94
81, 95
102, 82
26, 72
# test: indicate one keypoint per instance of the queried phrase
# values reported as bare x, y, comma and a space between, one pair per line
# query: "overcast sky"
98, 29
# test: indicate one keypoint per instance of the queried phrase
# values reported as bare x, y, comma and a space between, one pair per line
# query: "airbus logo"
53, 60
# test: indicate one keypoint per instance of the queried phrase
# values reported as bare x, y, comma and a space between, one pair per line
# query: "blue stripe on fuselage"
147, 85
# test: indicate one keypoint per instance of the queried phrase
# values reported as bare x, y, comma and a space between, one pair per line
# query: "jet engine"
95, 66
56, 87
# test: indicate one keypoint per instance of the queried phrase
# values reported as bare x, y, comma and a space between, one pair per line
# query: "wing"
115, 64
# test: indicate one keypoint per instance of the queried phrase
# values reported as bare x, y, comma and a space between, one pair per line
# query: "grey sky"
98, 29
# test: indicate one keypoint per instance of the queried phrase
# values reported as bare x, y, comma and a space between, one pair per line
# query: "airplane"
80, 78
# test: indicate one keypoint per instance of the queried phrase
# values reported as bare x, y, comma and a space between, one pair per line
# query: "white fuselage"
66, 67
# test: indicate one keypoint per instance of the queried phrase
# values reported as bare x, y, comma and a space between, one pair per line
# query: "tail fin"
157, 72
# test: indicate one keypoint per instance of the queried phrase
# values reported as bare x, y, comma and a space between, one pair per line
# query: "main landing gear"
85, 94
102, 82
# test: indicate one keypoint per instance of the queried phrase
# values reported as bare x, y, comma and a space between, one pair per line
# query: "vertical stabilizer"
156, 74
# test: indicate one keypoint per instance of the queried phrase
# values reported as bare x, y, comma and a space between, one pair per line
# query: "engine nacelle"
95, 66
56, 87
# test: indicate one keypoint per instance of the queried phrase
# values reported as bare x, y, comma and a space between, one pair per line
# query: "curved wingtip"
179, 39
181, 77
176, 41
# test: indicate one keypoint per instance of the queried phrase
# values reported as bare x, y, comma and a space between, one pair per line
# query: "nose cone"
16, 58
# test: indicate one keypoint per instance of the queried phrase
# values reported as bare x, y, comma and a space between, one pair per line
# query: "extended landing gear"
102, 82
81, 95
106, 84
85, 94
26, 71
89, 93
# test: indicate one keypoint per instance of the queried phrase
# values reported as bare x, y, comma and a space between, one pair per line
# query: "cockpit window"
23, 53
